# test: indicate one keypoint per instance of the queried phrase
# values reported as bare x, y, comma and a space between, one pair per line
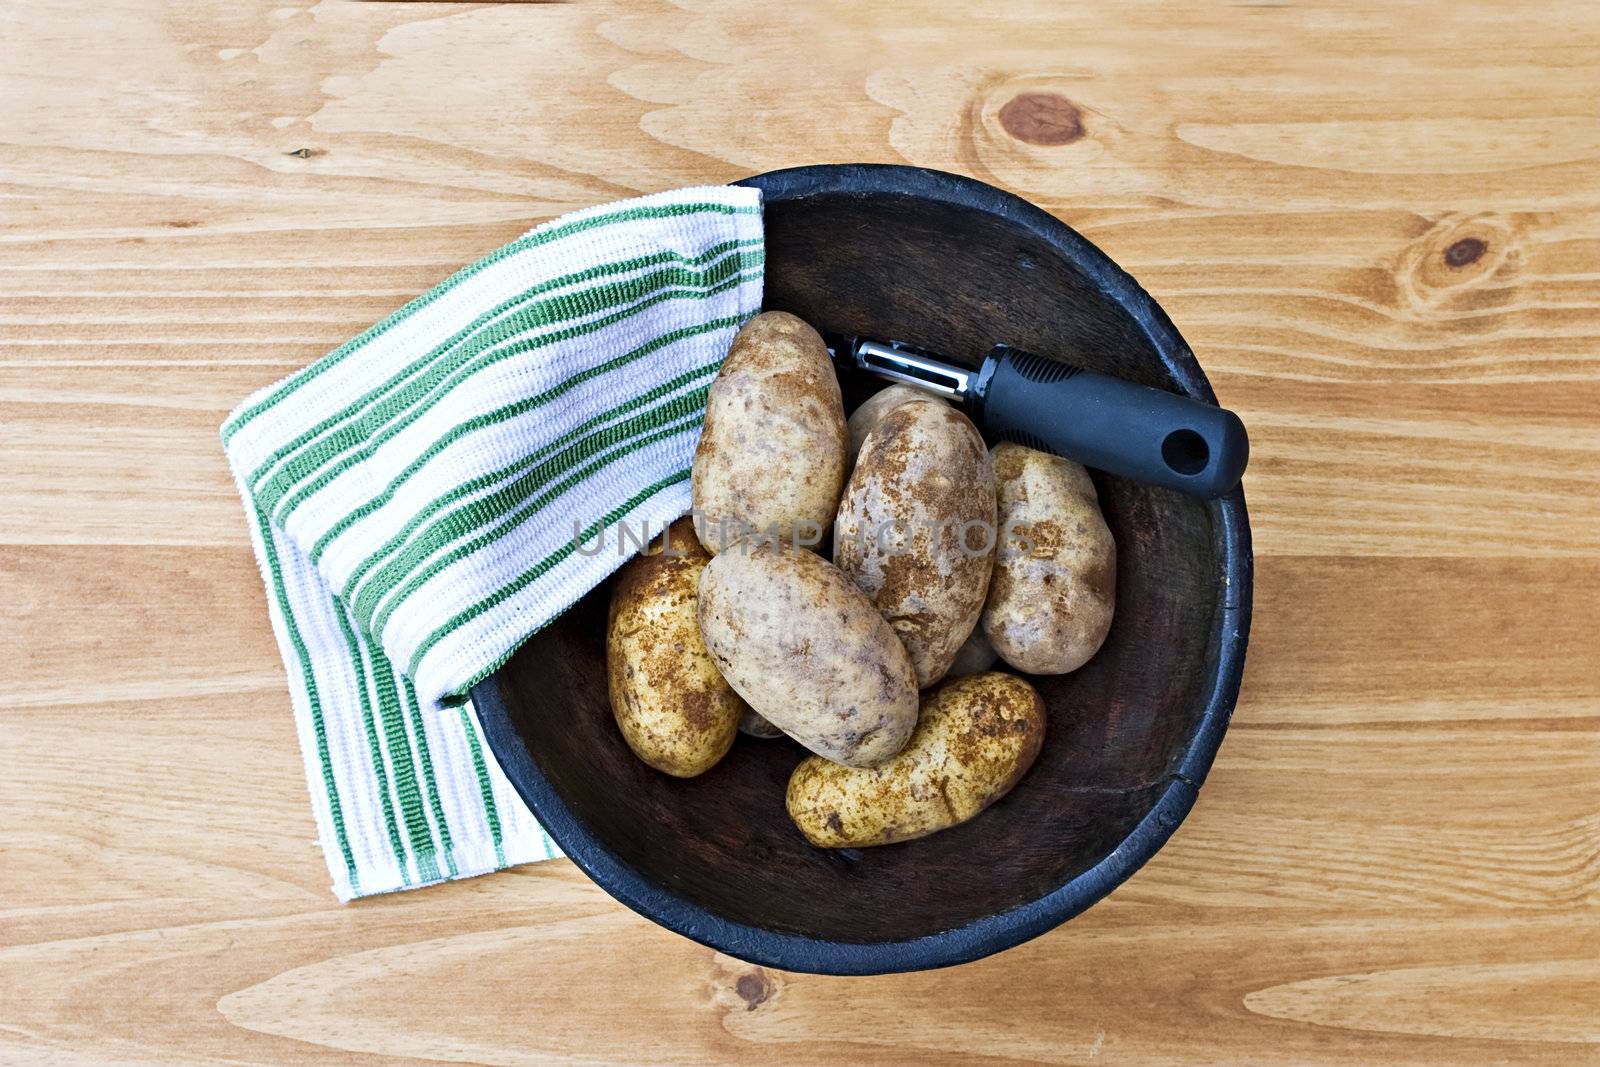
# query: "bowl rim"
1002, 930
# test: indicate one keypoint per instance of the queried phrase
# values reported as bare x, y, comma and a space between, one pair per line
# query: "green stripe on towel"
414, 498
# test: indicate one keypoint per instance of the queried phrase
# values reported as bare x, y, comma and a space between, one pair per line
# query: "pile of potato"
944, 554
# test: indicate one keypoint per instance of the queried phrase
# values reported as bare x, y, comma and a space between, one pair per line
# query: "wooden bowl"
955, 265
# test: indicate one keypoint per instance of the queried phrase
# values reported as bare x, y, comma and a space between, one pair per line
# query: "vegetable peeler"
1119, 427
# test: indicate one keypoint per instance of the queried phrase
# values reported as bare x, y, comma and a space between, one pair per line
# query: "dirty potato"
916, 529
808, 652
772, 454
1055, 575
977, 737
673, 707
875, 407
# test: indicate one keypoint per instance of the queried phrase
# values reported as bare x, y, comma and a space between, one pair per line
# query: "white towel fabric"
413, 499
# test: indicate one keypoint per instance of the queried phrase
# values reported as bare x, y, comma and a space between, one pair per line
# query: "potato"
772, 453
673, 707
1055, 575
875, 407
977, 654
916, 529
808, 651
753, 725
977, 737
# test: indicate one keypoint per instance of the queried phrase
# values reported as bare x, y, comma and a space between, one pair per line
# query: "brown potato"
977, 737
876, 406
672, 706
772, 454
916, 529
808, 651
1054, 588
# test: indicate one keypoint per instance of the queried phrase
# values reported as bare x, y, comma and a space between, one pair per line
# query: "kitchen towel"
428, 495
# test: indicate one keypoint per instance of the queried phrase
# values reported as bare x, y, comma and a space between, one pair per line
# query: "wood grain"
1377, 225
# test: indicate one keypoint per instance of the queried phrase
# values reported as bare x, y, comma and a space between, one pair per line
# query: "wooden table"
1379, 227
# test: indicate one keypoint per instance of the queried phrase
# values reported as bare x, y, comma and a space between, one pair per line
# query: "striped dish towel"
414, 499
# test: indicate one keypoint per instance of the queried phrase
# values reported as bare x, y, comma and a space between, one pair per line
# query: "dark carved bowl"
956, 265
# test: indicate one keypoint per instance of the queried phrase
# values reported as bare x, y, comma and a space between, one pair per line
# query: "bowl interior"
957, 278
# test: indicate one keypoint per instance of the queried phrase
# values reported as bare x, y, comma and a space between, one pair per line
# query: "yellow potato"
875, 407
672, 706
916, 529
772, 454
808, 651
977, 737
1054, 588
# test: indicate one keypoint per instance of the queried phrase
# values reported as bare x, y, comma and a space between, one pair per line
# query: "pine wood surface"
1377, 224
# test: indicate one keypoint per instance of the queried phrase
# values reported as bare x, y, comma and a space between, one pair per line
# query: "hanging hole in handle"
1186, 452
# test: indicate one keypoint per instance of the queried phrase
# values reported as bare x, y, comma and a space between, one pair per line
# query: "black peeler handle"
1132, 430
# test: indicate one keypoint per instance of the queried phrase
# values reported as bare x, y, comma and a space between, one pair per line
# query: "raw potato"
974, 656
673, 707
808, 651
977, 737
754, 725
916, 529
772, 454
876, 406
1049, 608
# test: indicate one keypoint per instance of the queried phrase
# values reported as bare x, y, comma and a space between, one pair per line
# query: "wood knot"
1039, 118
1461, 262
306, 153
1466, 250
738, 988
753, 989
